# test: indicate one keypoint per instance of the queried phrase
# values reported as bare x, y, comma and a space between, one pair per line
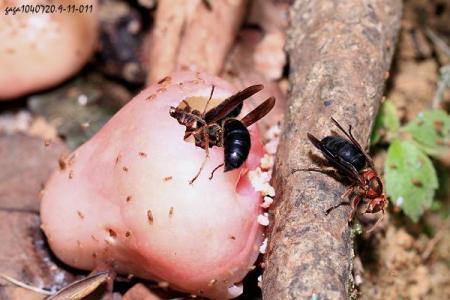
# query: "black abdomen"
345, 150
236, 144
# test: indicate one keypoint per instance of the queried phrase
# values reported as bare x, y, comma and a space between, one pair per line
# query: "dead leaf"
24, 257
25, 164
81, 288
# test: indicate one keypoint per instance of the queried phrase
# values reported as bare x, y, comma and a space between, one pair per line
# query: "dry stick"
165, 37
187, 34
340, 52
209, 35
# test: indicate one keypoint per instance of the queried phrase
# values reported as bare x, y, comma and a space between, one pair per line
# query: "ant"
219, 127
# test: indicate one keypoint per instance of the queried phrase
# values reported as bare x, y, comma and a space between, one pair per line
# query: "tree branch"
340, 52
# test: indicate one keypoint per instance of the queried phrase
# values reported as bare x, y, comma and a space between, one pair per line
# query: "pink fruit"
123, 198
43, 47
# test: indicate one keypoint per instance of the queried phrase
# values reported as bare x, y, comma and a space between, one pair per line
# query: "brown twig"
165, 37
340, 52
189, 35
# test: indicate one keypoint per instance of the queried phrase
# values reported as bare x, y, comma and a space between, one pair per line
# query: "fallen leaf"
25, 257
81, 288
25, 164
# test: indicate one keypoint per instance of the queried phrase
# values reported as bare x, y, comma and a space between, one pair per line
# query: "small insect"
352, 162
219, 127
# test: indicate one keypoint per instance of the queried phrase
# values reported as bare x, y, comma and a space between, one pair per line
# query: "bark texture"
340, 52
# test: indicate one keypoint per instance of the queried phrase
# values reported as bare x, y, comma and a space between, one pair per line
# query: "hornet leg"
206, 140
215, 169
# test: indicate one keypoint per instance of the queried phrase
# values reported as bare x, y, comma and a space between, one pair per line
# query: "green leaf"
431, 131
411, 179
386, 124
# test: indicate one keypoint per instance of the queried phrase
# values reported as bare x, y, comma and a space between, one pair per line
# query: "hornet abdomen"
345, 150
236, 143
